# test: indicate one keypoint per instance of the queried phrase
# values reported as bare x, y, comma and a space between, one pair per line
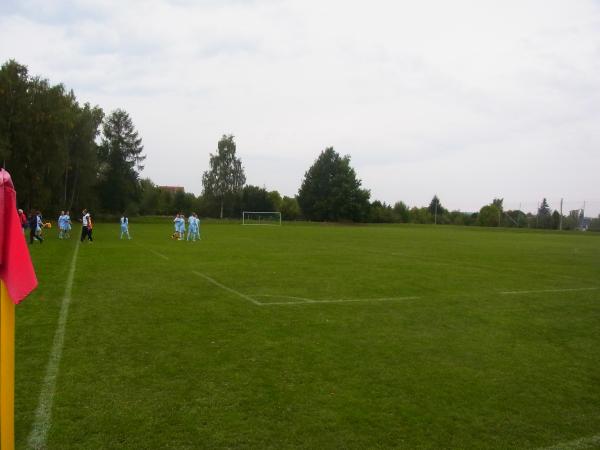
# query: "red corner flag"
16, 269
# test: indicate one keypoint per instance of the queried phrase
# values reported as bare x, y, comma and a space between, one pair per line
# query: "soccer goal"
261, 218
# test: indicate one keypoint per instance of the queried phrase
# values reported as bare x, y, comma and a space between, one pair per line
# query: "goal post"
261, 218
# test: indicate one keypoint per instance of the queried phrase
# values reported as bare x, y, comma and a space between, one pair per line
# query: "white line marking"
541, 291
153, 251
43, 414
589, 442
342, 300
216, 283
302, 299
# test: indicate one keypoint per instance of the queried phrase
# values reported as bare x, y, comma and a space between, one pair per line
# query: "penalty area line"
542, 291
222, 286
153, 251
43, 414
342, 300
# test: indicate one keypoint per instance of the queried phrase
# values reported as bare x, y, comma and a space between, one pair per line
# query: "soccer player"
40, 224
86, 226
124, 226
193, 232
176, 226
61, 225
181, 226
197, 225
67, 222
34, 233
22, 220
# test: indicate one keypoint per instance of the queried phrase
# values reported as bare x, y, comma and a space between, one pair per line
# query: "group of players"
64, 225
35, 223
193, 227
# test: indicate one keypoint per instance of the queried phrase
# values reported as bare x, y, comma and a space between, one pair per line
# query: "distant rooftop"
172, 188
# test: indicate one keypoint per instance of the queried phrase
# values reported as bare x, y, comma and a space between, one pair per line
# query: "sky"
467, 100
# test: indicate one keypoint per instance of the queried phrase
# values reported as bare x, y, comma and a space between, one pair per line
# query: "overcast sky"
469, 100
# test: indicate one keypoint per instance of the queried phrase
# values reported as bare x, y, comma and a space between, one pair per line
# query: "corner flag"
16, 269
17, 280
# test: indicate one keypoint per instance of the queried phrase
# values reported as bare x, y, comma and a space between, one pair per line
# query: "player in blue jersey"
67, 222
179, 218
181, 229
194, 228
125, 226
61, 225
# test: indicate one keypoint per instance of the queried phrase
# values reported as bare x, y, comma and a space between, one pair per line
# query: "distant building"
172, 189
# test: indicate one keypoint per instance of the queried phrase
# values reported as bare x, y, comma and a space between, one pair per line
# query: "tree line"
62, 154
66, 155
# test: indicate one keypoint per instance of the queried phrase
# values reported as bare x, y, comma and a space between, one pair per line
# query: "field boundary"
43, 414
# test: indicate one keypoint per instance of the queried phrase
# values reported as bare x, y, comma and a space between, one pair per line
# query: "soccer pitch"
312, 336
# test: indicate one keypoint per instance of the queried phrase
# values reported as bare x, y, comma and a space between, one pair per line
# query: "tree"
499, 203
81, 165
516, 218
491, 215
226, 175
544, 216
436, 209
402, 212
555, 220
381, 213
331, 191
255, 198
47, 141
459, 218
276, 200
149, 198
420, 215
290, 210
183, 201
120, 156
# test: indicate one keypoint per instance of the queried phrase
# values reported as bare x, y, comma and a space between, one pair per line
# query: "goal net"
261, 218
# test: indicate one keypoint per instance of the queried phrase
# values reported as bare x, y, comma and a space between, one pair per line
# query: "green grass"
158, 357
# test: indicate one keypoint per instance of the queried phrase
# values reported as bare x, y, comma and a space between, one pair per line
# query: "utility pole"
561, 214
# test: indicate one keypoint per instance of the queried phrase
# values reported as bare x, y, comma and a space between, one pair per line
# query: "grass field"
313, 336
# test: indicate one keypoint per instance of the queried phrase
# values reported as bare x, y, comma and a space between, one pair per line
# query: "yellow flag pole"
7, 370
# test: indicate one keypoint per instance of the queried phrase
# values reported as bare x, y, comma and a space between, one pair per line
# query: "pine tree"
120, 156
